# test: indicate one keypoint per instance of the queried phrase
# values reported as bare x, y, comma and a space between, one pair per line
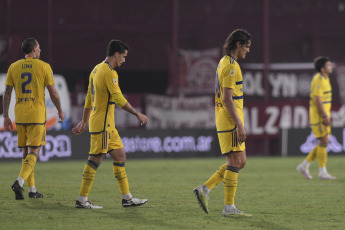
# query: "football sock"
229, 207
121, 176
216, 178
206, 189
305, 164
32, 189
312, 155
82, 199
88, 177
230, 184
322, 170
31, 179
28, 166
20, 181
322, 156
127, 196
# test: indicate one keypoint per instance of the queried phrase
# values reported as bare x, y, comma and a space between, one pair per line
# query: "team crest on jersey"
115, 81
232, 72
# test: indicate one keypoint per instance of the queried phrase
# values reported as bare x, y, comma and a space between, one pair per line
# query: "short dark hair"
28, 45
238, 35
320, 62
116, 46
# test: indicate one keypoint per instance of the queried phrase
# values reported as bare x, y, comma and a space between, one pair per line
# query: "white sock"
82, 199
323, 170
127, 196
305, 164
228, 207
206, 189
32, 189
20, 181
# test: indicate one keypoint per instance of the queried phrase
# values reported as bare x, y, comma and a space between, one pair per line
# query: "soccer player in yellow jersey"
229, 122
320, 118
103, 93
29, 77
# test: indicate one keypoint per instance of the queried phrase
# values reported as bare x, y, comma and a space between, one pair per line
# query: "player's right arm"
229, 74
79, 129
316, 88
230, 106
6, 104
321, 110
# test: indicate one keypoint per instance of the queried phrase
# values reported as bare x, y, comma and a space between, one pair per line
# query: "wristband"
324, 117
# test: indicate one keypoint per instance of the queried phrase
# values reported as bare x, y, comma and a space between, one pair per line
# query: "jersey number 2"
25, 83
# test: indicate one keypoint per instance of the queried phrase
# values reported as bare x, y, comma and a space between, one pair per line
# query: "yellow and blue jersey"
320, 86
29, 77
228, 75
102, 95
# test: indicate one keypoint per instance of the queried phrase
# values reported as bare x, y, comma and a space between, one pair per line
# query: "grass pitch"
270, 189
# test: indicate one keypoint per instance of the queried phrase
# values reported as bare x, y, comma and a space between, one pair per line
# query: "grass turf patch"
270, 189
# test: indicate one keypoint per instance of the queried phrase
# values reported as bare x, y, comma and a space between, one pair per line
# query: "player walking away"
102, 95
29, 77
229, 122
320, 118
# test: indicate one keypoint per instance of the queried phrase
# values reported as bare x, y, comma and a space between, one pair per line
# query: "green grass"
270, 189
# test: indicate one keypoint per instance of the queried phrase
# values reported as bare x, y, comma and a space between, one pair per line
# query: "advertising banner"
287, 81
180, 112
63, 145
196, 71
298, 142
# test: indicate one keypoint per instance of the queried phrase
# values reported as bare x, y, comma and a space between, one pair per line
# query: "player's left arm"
121, 101
54, 95
6, 104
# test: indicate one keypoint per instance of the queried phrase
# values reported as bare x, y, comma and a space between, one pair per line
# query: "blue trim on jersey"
326, 102
232, 58
31, 123
239, 82
226, 131
109, 65
327, 92
237, 98
111, 103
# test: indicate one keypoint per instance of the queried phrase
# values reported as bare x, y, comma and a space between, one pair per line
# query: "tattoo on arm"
133, 111
57, 103
56, 100
7, 99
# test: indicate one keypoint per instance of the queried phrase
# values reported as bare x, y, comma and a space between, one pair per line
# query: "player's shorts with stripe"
320, 130
228, 142
31, 135
102, 143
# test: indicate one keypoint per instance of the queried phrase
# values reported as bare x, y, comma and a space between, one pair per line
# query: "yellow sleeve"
119, 99
88, 95
229, 76
316, 87
112, 83
49, 79
9, 80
